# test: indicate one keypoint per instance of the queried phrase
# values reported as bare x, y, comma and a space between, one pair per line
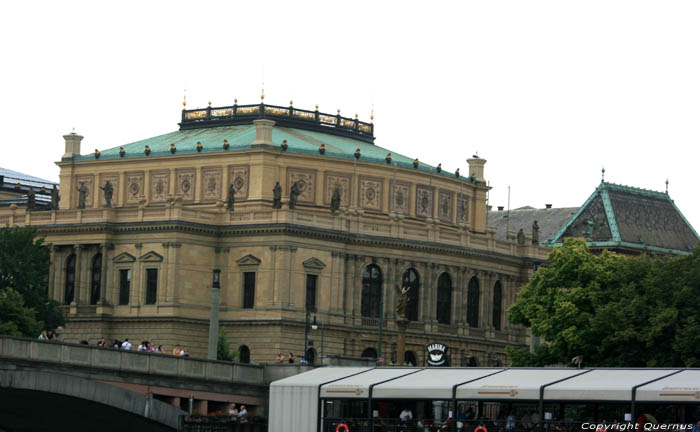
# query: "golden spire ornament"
184, 100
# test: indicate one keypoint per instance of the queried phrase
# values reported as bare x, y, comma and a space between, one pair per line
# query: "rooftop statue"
521, 237
535, 233
31, 199
55, 198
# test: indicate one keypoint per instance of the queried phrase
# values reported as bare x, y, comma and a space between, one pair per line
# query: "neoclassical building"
140, 264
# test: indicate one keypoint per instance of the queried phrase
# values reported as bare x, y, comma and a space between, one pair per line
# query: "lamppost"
308, 311
315, 326
214, 315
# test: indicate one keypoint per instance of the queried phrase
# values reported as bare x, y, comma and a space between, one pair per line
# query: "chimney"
476, 168
549, 206
500, 208
263, 131
72, 145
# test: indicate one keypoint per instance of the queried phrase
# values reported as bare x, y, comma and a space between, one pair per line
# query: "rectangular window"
151, 286
248, 290
311, 281
124, 286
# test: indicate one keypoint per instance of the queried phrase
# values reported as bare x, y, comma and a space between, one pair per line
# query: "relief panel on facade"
184, 184
89, 181
371, 193
211, 184
114, 180
342, 182
424, 201
160, 186
445, 200
306, 181
134, 187
400, 197
238, 177
462, 208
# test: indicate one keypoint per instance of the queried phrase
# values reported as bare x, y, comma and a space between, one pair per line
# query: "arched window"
311, 356
369, 353
473, 302
96, 278
69, 293
410, 279
371, 291
444, 299
244, 354
409, 358
497, 305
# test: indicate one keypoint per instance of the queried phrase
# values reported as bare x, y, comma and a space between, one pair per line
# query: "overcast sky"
548, 92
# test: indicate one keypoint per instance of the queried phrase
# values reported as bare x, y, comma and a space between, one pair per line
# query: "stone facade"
169, 229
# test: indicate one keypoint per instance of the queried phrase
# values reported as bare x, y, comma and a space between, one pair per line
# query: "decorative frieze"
424, 201
445, 200
306, 183
211, 184
400, 197
185, 181
371, 193
340, 181
160, 185
134, 187
238, 177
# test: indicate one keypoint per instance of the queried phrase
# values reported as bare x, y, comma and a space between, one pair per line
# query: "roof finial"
371, 115
666, 186
602, 180
262, 95
184, 99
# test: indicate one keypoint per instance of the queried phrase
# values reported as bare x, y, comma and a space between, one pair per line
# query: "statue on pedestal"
108, 191
521, 237
231, 198
31, 199
82, 195
403, 301
277, 196
335, 200
55, 198
535, 233
293, 195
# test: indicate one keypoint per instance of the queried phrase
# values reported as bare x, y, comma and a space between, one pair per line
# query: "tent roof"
654, 385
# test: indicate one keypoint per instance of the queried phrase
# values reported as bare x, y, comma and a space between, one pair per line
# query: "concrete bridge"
59, 386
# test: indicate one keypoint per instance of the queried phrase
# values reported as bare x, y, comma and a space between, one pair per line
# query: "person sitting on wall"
280, 358
185, 352
291, 358
176, 349
126, 346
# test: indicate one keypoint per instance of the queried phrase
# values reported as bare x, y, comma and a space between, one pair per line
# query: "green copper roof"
624, 216
241, 137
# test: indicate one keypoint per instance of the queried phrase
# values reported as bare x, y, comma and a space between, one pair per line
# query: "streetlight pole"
314, 326
306, 330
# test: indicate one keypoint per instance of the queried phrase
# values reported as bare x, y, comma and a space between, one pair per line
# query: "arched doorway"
369, 353
244, 354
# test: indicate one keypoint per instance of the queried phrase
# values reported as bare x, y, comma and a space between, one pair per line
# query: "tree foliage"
24, 269
223, 348
15, 318
612, 310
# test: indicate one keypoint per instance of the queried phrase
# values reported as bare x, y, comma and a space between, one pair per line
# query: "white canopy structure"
294, 401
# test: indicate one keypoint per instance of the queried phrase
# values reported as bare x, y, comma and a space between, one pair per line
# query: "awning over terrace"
295, 400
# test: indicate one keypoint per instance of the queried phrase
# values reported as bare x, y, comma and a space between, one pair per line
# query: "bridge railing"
132, 361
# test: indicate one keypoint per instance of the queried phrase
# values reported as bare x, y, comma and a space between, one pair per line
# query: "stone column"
357, 285
292, 276
52, 273
104, 249
274, 280
77, 249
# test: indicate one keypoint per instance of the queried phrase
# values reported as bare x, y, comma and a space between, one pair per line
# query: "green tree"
15, 318
223, 348
24, 268
612, 310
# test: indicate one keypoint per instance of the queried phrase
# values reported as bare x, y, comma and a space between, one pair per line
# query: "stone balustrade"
86, 356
